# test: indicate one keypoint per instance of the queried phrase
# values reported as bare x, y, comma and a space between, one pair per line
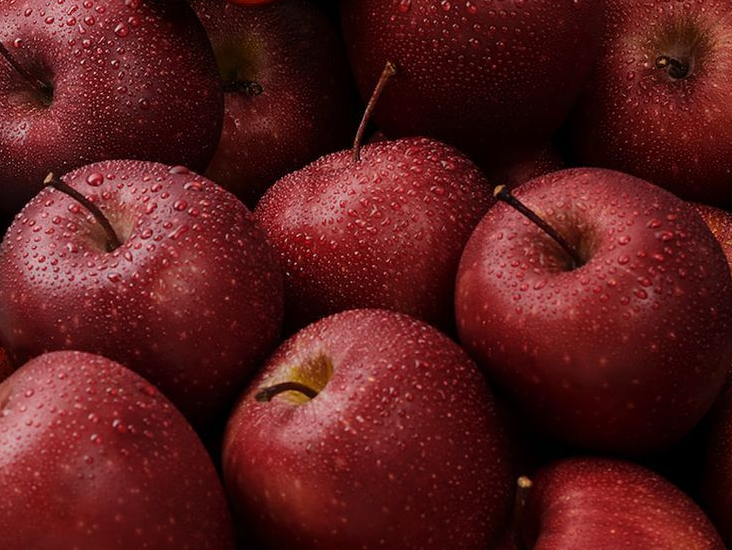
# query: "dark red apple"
517, 167
386, 231
624, 350
720, 222
484, 75
6, 367
94, 457
603, 504
717, 470
103, 79
658, 102
391, 441
289, 96
192, 299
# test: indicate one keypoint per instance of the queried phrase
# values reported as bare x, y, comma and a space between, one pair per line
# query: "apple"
369, 429
517, 167
191, 298
717, 470
605, 504
6, 367
657, 103
720, 222
385, 231
93, 456
98, 80
289, 95
622, 349
485, 76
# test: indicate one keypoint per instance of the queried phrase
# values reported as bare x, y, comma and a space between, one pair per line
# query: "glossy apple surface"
384, 232
192, 300
670, 125
624, 353
401, 447
126, 79
602, 504
482, 75
93, 456
288, 91
720, 223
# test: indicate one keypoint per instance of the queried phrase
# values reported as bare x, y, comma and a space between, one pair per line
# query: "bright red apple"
191, 299
385, 231
483, 75
289, 96
602, 504
89, 81
94, 457
622, 349
387, 438
658, 102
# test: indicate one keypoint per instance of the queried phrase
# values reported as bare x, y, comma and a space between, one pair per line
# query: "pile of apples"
500, 318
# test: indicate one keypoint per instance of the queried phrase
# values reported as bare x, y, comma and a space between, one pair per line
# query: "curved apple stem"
676, 69
113, 241
503, 194
34, 81
523, 488
267, 394
390, 69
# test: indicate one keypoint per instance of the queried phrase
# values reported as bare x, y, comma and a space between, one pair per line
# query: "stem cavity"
43, 88
676, 68
267, 394
390, 69
113, 241
503, 194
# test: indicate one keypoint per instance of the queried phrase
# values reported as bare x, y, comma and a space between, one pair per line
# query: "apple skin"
386, 232
6, 367
517, 167
603, 504
720, 223
484, 76
192, 300
636, 118
95, 457
717, 470
624, 354
401, 449
305, 107
132, 79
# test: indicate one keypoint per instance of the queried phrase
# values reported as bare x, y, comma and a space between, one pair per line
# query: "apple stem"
503, 194
267, 394
113, 241
676, 69
390, 69
523, 488
36, 82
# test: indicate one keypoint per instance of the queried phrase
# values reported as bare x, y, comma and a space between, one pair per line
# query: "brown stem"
113, 241
523, 487
676, 69
267, 394
390, 69
503, 194
43, 87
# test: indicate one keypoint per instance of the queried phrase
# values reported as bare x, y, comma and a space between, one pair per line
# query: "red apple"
483, 75
717, 471
395, 446
99, 80
602, 504
384, 231
6, 367
192, 299
94, 457
289, 97
658, 102
720, 222
623, 351
517, 167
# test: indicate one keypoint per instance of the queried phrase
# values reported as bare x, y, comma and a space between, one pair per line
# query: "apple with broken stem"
379, 226
604, 504
286, 105
100, 80
151, 265
602, 305
369, 429
657, 105
93, 456
485, 76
